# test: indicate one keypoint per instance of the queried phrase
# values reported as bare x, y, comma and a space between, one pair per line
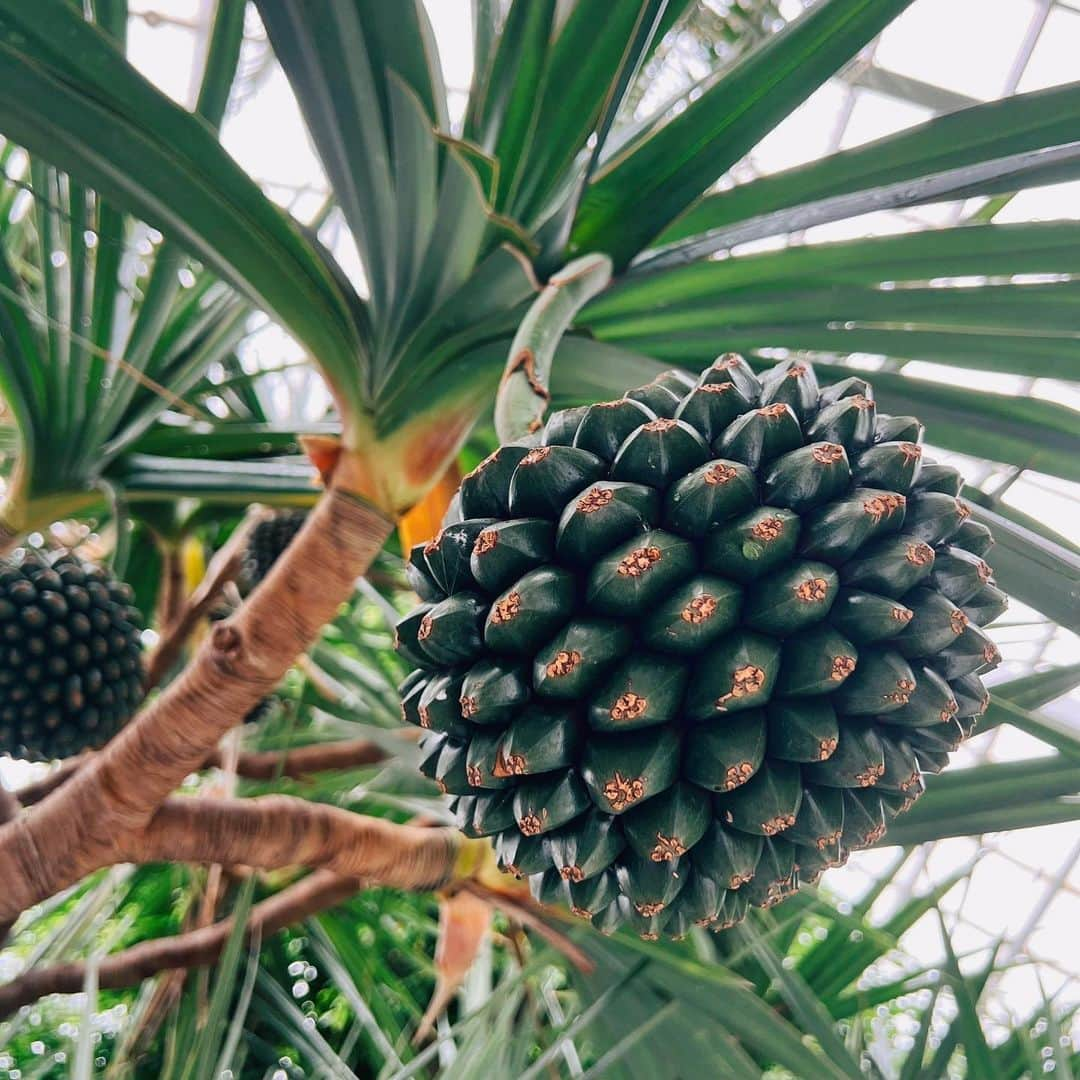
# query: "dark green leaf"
635, 195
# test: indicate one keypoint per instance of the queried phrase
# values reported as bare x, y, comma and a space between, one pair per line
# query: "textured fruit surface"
268, 540
70, 656
703, 647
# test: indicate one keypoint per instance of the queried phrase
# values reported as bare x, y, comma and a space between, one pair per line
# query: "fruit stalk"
241, 661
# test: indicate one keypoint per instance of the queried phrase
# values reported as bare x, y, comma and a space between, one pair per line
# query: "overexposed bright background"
939, 56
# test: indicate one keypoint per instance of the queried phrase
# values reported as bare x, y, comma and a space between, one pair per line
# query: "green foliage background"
128, 410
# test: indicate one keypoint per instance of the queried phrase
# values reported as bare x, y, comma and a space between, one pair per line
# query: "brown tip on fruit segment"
469, 707
875, 834
957, 621
649, 910
699, 610
425, 717
581, 913
870, 775
719, 473
485, 542
474, 775
826, 748
662, 423
903, 615
728, 360
565, 661
777, 824
881, 505
667, 849
768, 529
433, 544
536, 455
773, 411
902, 694
860, 402
963, 510
744, 681
911, 451
991, 654
424, 630
827, 453
639, 561
736, 775
919, 554
813, 591
628, 706
507, 608
508, 765
716, 387
530, 825
796, 371
595, 500
571, 873
984, 571
824, 842
620, 791
842, 667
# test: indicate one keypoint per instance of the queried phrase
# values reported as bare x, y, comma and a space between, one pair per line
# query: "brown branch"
75, 829
293, 764
224, 567
199, 948
305, 760
277, 831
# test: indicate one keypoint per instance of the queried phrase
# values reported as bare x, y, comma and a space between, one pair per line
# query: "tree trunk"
117, 793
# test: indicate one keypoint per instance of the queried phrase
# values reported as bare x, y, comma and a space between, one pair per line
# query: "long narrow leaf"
635, 196
1002, 145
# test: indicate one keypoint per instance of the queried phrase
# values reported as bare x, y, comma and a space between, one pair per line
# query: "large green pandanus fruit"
698, 644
